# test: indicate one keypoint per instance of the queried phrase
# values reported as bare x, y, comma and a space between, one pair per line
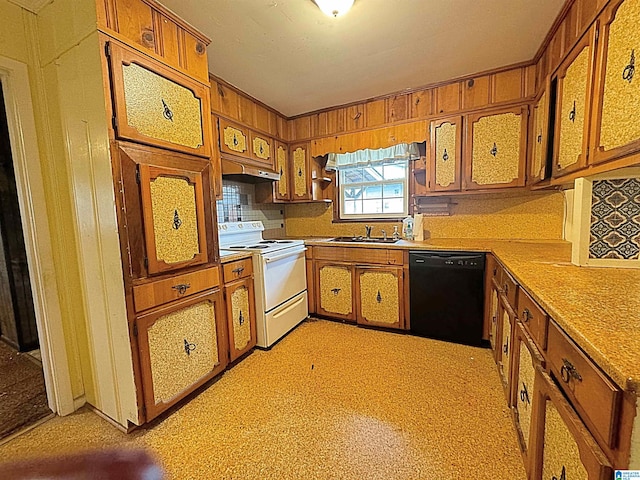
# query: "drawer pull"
379, 297
336, 291
506, 288
524, 394
505, 347
526, 315
240, 318
238, 270
568, 371
495, 272
563, 474
182, 288
189, 347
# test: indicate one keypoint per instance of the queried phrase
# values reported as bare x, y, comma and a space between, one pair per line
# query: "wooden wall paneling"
245, 111
319, 124
588, 10
282, 128
168, 39
261, 118
336, 121
301, 128
194, 58
273, 123
541, 69
448, 97
507, 86
355, 117
421, 103
571, 27
397, 108
134, 20
227, 101
530, 83
555, 48
375, 113
475, 92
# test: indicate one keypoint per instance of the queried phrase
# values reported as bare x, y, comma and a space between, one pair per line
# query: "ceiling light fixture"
334, 8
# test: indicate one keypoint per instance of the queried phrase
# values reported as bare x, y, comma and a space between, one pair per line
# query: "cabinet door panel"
301, 173
334, 290
282, 190
539, 141
496, 149
505, 357
234, 139
616, 129
156, 106
445, 150
241, 317
573, 105
378, 296
261, 149
181, 347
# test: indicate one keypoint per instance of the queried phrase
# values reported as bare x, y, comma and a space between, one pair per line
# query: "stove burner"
236, 247
259, 246
269, 241
284, 241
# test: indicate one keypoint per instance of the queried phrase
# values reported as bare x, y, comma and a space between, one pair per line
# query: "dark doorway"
23, 397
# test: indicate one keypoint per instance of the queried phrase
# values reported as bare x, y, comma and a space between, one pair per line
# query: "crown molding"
32, 5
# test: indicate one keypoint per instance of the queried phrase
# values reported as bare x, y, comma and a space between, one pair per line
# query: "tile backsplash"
238, 205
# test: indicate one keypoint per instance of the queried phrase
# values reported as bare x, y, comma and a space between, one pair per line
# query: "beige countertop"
235, 256
599, 308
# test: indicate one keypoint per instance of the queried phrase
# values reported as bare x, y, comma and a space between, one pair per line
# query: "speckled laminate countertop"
235, 256
599, 308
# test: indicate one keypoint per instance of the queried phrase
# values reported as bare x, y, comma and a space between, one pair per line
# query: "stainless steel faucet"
368, 229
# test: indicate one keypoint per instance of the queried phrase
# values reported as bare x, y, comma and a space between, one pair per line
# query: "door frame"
23, 140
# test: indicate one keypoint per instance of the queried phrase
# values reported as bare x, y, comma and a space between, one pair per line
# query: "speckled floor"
330, 401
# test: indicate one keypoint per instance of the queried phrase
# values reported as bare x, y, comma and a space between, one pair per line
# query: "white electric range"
280, 280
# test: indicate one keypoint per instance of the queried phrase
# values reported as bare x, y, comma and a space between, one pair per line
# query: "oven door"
285, 275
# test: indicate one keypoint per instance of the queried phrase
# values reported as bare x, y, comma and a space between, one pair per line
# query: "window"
374, 191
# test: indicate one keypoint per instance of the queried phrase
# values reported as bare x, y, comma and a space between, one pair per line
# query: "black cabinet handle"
189, 347
336, 291
166, 111
630, 69
524, 394
240, 318
238, 270
379, 297
445, 156
526, 315
300, 172
494, 150
568, 371
181, 288
563, 474
572, 113
176, 220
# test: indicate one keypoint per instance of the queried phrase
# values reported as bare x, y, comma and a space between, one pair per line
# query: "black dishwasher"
447, 295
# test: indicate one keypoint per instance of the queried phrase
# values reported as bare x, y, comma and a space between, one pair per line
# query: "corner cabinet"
445, 155
496, 146
300, 171
379, 296
616, 127
157, 106
574, 80
181, 347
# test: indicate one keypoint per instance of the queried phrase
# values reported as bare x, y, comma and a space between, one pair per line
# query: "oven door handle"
280, 257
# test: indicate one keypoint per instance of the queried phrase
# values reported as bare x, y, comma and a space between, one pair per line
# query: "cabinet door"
282, 188
158, 106
261, 148
174, 226
561, 446
241, 317
445, 151
334, 290
181, 347
496, 146
234, 139
525, 359
539, 140
495, 326
616, 128
300, 172
573, 104
379, 292
507, 324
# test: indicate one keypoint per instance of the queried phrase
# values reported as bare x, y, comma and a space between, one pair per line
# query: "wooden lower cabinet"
526, 358
335, 290
561, 446
181, 346
506, 326
241, 317
493, 319
379, 292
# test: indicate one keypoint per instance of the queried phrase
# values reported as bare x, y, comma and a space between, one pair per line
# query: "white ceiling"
289, 55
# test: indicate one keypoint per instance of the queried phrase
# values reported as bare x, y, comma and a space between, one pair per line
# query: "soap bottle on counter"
407, 228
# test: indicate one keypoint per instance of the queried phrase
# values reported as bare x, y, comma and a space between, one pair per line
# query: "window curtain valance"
403, 151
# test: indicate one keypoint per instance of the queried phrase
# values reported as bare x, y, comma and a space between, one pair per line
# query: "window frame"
340, 216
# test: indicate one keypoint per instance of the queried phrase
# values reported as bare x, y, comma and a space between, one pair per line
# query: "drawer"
493, 269
153, 294
379, 256
533, 318
593, 395
238, 269
509, 288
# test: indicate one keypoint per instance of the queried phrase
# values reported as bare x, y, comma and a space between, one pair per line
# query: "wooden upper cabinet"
151, 28
540, 137
475, 93
234, 139
448, 98
355, 117
376, 113
573, 104
282, 187
507, 86
155, 105
261, 148
224, 100
496, 148
616, 126
397, 108
445, 154
421, 103
300, 171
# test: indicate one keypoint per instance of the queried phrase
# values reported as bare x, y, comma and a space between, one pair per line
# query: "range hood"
248, 173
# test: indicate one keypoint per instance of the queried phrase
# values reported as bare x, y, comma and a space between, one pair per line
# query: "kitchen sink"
364, 240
